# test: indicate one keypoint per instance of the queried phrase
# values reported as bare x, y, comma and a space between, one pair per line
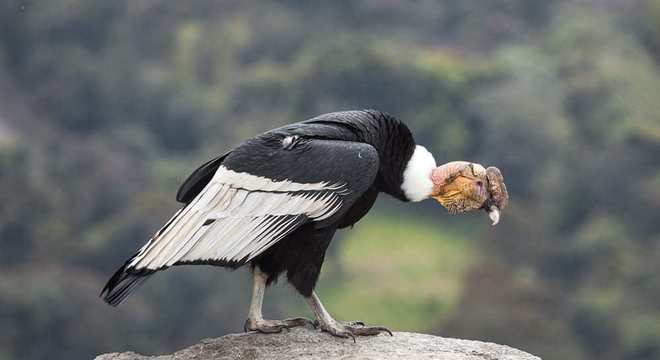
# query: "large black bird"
275, 201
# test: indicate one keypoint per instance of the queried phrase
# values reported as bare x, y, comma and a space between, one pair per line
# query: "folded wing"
260, 193
236, 217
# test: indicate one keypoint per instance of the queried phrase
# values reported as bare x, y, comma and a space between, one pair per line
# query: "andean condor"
275, 201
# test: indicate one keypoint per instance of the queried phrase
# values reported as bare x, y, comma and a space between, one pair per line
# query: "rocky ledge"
302, 343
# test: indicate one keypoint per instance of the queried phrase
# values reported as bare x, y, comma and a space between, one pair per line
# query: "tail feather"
127, 278
122, 283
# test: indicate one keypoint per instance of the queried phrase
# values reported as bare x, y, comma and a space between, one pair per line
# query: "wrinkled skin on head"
461, 186
499, 197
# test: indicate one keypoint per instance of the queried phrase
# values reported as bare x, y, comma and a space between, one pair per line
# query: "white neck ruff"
417, 184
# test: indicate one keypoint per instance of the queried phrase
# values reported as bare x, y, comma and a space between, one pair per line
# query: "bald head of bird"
462, 186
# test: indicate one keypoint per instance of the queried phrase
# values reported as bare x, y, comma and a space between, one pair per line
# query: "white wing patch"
260, 183
236, 217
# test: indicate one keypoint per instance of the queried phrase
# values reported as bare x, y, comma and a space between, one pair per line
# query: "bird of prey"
275, 201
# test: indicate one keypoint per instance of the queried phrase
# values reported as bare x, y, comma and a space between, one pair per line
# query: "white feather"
253, 183
417, 184
250, 214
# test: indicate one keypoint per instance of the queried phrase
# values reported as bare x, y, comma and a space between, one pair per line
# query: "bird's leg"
336, 328
255, 320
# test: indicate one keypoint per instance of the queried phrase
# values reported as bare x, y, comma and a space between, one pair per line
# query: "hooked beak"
494, 214
499, 197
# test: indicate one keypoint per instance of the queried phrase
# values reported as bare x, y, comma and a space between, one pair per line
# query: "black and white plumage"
275, 201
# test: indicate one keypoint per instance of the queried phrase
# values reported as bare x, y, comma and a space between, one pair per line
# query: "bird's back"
389, 136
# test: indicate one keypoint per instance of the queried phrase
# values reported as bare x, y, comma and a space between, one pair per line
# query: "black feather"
122, 283
198, 179
365, 151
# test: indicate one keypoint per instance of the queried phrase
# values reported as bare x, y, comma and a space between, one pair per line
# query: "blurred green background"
107, 106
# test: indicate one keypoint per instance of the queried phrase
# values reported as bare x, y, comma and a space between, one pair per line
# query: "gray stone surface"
305, 343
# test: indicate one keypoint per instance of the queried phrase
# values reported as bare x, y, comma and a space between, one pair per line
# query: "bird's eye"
480, 183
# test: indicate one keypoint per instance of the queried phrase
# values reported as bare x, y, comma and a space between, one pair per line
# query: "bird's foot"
350, 329
274, 326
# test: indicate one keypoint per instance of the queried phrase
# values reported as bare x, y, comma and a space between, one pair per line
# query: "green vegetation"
400, 272
105, 107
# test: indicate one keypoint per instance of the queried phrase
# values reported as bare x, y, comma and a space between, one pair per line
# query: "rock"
302, 343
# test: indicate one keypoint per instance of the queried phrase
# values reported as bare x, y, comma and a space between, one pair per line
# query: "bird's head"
462, 186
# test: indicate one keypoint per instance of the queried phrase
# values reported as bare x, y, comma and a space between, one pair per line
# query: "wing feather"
236, 217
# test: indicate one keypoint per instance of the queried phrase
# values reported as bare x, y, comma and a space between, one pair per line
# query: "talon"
270, 329
386, 330
341, 329
378, 329
347, 334
369, 330
354, 323
299, 321
274, 326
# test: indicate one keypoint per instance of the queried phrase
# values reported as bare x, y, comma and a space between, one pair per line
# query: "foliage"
372, 278
105, 107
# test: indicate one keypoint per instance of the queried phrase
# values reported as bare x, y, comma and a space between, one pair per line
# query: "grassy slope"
399, 272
